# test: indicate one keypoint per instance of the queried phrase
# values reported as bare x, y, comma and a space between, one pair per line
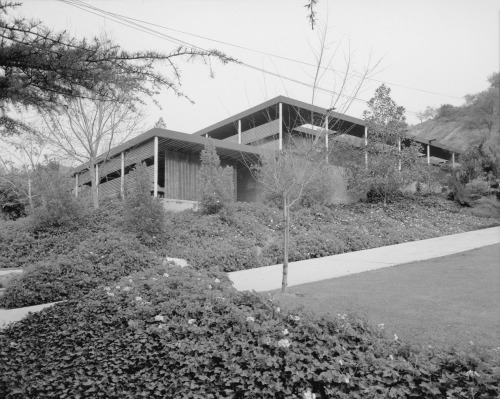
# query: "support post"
453, 160
366, 149
122, 175
155, 168
76, 185
428, 154
399, 144
239, 131
326, 138
280, 117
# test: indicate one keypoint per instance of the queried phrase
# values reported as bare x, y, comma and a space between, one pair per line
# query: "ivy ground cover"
182, 333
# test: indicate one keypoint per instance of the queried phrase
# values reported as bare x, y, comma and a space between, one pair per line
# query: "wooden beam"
453, 160
76, 185
428, 154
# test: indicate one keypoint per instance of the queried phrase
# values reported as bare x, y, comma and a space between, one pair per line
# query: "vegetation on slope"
467, 125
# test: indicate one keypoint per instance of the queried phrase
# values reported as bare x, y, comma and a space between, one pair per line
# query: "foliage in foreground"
171, 332
216, 182
103, 258
143, 213
22, 245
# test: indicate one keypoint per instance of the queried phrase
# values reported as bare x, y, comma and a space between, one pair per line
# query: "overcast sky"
447, 47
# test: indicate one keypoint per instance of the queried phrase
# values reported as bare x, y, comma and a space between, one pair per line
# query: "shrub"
170, 332
54, 203
458, 192
143, 213
21, 245
478, 188
104, 257
216, 182
13, 204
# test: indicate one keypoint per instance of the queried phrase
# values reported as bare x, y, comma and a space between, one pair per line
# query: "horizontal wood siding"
110, 188
260, 132
134, 156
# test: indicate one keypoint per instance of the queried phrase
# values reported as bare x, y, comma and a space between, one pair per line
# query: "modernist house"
173, 158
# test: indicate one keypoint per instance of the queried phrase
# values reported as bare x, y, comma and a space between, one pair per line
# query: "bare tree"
305, 156
84, 131
19, 157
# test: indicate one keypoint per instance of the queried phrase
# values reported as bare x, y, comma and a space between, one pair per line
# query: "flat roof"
181, 141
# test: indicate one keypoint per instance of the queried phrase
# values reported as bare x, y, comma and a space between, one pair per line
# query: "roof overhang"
182, 142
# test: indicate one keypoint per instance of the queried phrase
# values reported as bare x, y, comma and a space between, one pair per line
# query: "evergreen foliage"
143, 213
216, 182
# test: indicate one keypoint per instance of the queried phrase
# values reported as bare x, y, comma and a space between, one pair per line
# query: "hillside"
469, 124
454, 134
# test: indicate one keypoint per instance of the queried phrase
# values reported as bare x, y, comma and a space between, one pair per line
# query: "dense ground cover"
171, 332
448, 301
250, 235
240, 237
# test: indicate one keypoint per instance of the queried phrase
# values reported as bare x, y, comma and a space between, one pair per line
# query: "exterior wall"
110, 171
248, 190
182, 176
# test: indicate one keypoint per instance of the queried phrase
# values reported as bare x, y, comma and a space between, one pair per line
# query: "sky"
429, 52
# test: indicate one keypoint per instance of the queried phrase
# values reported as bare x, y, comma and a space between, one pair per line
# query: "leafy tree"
216, 182
39, 67
389, 167
161, 124
475, 162
481, 109
13, 202
144, 214
428, 113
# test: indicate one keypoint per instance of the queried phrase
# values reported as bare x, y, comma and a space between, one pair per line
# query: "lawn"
451, 300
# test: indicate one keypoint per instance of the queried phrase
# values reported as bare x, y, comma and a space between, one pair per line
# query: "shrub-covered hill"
250, 235
181, 333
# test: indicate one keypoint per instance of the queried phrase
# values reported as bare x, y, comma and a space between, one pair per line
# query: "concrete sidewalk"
307, 271
11, 315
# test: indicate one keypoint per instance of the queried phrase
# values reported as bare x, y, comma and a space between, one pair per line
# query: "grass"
448, 301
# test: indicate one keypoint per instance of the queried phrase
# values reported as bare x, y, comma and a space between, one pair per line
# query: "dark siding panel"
249, 190
181, 176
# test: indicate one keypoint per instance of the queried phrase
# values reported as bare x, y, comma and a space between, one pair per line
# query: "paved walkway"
307, 271
269, 278
10, 315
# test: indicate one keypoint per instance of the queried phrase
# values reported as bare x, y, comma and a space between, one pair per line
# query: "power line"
253, 50
122, 20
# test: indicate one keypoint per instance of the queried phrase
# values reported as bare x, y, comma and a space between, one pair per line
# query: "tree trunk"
30, 195
95, 182
286, 217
